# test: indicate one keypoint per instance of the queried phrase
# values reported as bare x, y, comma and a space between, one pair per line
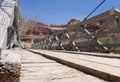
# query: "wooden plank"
108, 69
36, 68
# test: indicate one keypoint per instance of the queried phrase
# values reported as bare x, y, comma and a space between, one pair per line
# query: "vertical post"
117, 27
68, 36
56, 37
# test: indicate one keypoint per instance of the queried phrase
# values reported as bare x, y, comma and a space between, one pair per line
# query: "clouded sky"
61, 11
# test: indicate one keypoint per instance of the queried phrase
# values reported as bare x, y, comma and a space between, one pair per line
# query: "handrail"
56, 42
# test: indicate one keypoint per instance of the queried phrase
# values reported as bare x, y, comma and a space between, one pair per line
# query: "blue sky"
59, 12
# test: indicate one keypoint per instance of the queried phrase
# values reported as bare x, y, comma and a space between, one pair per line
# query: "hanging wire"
94, 9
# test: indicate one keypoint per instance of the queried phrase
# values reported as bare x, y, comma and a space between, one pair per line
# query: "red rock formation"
73, 21
36, 30
40, 30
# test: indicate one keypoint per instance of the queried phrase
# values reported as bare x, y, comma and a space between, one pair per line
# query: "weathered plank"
105, 68
36, 68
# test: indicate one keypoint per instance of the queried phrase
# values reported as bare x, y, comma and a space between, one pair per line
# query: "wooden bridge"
66, 55
61, 66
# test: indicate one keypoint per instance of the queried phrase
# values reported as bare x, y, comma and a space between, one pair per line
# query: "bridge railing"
88, 35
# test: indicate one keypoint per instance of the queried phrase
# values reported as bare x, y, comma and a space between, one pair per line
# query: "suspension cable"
95, 9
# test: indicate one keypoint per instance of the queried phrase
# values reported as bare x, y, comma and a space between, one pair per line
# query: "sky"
58, 12
0, 1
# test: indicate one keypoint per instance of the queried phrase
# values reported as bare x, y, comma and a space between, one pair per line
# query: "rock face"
35, 30
73, 21
9, 72
31, 30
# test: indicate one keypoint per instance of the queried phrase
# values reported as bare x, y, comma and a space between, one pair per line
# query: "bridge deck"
105, 55
106, 68
36, 68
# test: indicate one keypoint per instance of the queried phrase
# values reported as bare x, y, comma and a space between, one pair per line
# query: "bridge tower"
9, 15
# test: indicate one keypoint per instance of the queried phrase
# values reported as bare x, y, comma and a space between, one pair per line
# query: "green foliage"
106, 40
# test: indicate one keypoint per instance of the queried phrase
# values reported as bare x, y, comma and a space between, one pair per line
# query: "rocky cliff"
35, 30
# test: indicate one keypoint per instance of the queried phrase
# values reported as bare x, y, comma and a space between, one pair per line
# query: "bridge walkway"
106, 67
36, 68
